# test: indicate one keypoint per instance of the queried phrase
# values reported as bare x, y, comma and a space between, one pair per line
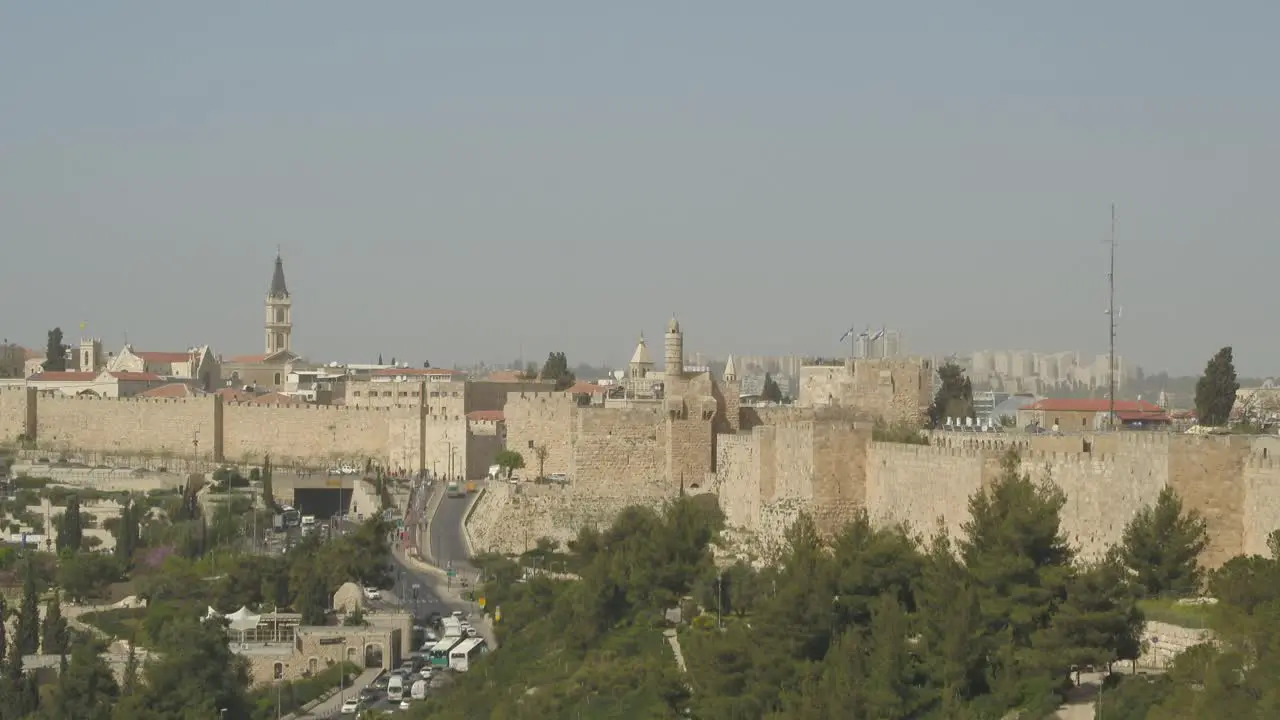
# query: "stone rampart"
295, 432
510, 518
13, 413
620, 451
180, 427
545, 420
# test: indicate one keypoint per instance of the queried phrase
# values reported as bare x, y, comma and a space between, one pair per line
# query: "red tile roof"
234, 395
419, 372
1095, 405
58, 376
172, 390
585, 388
164, 357
487, 415
136, 376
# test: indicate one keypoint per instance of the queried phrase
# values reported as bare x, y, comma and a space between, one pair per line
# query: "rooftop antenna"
1111, 321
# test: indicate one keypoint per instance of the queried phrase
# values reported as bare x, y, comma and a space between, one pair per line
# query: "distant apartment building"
1021, 371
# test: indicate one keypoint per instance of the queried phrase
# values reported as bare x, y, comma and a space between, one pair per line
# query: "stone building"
890, 389
197, 364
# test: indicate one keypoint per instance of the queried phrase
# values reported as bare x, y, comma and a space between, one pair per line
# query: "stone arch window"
277, 378
277, 671
279, 315
313, 664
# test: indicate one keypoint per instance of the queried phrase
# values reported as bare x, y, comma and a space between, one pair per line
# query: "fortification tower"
674, 359
279, 324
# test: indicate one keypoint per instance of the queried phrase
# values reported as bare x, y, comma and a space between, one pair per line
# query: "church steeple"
279, 325
278, 288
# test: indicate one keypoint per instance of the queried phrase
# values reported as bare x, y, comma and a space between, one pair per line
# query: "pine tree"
15, 685
1216, 390
71, 528
54, 632
87, 690
27, 636
1161, 546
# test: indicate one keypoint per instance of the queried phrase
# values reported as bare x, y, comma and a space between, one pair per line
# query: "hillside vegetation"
871, 624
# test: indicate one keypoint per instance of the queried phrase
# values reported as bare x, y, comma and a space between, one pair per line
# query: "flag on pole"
879, 334
846, 335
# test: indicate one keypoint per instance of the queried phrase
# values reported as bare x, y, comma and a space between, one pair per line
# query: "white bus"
467, 652
438, 655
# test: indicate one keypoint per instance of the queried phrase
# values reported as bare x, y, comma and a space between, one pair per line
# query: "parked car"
350, 706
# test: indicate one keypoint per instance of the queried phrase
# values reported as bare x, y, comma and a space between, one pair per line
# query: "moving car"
350, 706
372, 593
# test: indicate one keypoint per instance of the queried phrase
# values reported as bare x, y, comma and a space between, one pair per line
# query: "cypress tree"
55, 635
26, 639
71, 528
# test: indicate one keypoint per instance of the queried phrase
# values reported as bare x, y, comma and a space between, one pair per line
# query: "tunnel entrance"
324, 503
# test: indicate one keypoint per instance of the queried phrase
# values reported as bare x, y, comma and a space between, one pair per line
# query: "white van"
395, 688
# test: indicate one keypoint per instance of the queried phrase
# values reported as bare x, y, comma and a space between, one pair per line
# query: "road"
447, 545
330, 707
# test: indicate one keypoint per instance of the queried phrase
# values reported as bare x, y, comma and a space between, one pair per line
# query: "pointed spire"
673, 326
278, 288
641, 355
730, 370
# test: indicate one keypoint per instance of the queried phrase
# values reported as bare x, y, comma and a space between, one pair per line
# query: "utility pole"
1111, 318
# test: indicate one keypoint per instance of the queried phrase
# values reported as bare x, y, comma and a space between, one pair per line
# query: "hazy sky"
453, 181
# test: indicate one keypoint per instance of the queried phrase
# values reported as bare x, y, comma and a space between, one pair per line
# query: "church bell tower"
279, 325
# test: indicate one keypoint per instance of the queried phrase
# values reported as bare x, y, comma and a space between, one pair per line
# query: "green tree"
129, 683
771, 392
509, 460
17, 695
954, 398
268, 489
556, 369
1161, 546
27, 630
1216, 390
196, 676
1099, 621
127, 533
87, 689
71, 527
1020, 562
55, 354
53, 632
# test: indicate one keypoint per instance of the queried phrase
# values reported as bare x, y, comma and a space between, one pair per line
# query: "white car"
371, 593
349, 470
350, 706
404, 704
471, 632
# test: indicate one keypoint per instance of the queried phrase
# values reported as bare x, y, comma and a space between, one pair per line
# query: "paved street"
330, 707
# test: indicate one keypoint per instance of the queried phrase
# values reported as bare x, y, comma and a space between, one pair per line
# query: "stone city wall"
510, 518
542, 420
181, 427
13, 413
619, 451
194, 434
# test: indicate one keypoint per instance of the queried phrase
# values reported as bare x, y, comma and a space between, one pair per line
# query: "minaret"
674, 350
279, 324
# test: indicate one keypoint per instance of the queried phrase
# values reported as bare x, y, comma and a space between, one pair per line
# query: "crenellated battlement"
307, 407
904, 450
1056, 457
53, 396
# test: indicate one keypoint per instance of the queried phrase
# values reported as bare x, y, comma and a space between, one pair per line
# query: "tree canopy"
1216, 390
954, 398
556, 369
55, 354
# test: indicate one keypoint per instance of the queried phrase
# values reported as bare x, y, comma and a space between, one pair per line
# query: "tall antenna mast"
1111, 317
